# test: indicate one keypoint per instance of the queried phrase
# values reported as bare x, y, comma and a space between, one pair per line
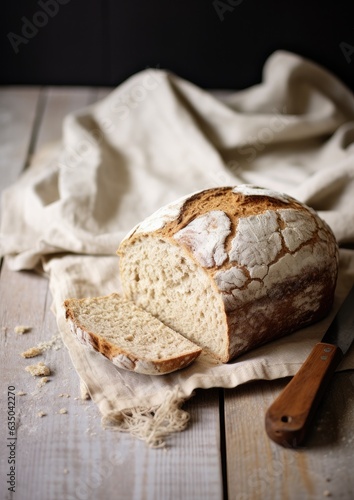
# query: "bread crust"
121, 357
272, 260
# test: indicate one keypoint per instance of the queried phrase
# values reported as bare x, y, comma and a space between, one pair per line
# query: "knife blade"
289, 417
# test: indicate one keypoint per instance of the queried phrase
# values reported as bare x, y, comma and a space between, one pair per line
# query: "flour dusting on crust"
249, 190
205, 236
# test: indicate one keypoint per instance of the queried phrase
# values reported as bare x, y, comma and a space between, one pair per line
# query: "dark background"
102, 42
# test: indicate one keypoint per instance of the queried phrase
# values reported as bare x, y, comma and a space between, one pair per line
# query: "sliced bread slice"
130, 337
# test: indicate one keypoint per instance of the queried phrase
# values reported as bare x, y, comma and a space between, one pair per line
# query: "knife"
289, 417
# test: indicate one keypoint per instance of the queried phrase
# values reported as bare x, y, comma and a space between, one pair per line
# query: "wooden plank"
70, 455
32, 120
258, 468
61, 101
56, 454
22, 110
18, 108
103, 92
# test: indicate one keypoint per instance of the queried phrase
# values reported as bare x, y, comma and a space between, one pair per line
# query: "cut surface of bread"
130, 337
164, 280
231, 268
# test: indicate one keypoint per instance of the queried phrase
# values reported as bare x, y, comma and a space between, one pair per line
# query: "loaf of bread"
130, 337
231, 268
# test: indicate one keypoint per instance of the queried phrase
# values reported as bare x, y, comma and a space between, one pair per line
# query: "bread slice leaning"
130, 337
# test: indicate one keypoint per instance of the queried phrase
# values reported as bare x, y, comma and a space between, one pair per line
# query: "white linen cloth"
151, 140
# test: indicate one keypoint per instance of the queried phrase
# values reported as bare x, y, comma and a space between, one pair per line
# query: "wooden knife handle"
288, 418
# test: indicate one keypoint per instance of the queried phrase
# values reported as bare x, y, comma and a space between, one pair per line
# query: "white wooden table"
224, 453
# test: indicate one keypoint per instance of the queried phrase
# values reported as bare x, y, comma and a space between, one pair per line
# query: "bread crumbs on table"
54, 343
63, 411
38, 370
21, 393
20, 329
42, 414
43, 381
32, 352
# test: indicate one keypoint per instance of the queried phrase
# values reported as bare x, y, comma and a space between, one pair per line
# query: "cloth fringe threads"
153, 424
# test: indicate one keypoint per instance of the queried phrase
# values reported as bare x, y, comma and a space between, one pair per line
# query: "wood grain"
18, 109
259, 468
103, 92
59, 102
69, 455
289, 417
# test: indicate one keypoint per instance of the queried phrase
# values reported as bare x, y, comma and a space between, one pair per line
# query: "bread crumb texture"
32, 352
232, 268
63, 411
42, 414
38, 370
54, 343
20, 329
43, 381
130, 337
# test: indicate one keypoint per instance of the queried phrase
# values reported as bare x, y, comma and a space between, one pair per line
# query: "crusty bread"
130, 337
231, 268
